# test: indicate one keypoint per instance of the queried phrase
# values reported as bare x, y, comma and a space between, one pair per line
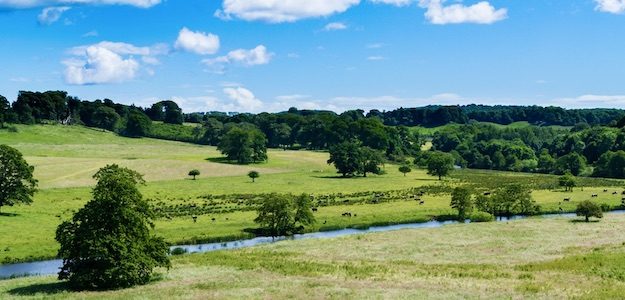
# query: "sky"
269, 55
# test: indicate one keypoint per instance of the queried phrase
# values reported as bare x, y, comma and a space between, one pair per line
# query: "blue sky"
269, 55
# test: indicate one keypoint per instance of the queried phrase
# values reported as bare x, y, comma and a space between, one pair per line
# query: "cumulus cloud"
50, 15
24, 4
197, 42
480, 13
335, 26
108, 62
251, 57
279, 11
243, 98
611, 6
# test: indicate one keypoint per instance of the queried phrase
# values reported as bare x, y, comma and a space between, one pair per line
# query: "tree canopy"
440, 164
17, 185
244, 145
108, 243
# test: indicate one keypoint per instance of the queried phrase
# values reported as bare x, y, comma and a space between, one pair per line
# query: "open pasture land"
66, 157
536, 258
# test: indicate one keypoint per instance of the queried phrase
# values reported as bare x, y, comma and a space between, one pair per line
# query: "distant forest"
585, 142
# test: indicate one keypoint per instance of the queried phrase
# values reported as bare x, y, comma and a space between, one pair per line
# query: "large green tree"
244, 145
17, 185
514, 199
106, 118
588, 209
284, 214
108, 243
611, 164
440, 164
462, 200
138, 124
351, 158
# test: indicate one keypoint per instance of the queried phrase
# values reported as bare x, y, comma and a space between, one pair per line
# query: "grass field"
66, 157
544, 258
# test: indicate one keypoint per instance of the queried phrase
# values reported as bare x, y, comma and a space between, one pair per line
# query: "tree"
108, 244
440, 164
194, 173
138, 124
345, 157
611, 164
285, 215
17, 185
275, 215
573, 163
106, 118
589, 209
514, 199
4, 110
253, 175
461, 200
568, 182
370, 161
244, 145
405, 169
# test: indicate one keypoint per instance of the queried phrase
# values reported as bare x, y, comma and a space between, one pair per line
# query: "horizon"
259, 55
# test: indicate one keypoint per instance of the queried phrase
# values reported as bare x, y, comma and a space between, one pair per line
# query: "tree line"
582, 150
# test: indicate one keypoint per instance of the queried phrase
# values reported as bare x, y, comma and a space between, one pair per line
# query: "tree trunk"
587, 220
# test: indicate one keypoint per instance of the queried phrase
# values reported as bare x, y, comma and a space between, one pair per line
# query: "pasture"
549, 258
65, 158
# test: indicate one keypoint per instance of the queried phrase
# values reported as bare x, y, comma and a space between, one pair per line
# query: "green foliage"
138, 124
106, 118
462, 200
108, 244
588, 209
513, 199
611, 164
573, 163
194, 173
440, 164
481, 217
253, 175
405, 169
4, 110
244, 145
350, 158
567, 181
17, 185
284, 214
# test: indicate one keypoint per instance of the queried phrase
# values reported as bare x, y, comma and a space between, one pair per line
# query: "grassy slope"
68, 156
533, 258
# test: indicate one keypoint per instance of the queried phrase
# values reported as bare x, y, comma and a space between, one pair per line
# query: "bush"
480, 217
178, 251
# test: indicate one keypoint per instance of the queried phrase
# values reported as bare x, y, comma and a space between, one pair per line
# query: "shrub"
480, 217
589, 209
178, 251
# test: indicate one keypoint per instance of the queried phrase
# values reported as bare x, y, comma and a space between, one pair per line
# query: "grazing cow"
314, 209
375, 201
194, 219
561, 209
487, 194
623, 193
346, 201
605, 191
567, 199
594, 196
213, 219
355, 215
422, 202
325, 221
614, 193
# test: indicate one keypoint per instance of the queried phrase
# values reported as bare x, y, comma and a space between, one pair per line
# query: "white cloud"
92, 33
100, 65
611, 6
591, 101
251, 57
197, 42
279, 11
335, 26
393, 2
480, 13
50, 15
24, 4
244, 99
109, 62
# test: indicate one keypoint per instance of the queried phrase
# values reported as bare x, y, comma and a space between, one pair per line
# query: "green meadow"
65, 158
536, 258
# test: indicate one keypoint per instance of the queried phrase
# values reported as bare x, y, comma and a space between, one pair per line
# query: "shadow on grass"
225, 160
8, 215
41, 288
584, 221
